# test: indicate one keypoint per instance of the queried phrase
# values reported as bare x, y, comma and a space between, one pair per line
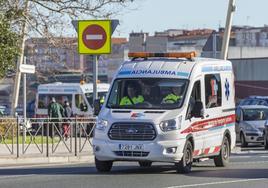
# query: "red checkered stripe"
208, 124
207, 151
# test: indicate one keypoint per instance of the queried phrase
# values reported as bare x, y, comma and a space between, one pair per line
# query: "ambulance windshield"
147, 93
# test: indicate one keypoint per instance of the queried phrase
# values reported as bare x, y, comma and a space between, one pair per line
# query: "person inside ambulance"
132, 96
173, 97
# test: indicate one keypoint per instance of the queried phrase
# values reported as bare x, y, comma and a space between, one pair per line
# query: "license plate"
131, 147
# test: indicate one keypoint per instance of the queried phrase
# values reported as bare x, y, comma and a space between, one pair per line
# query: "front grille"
131, 153
132, 131
252, 134
260, 138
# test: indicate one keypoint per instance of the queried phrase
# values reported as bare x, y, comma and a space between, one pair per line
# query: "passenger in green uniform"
173, 97
132, 96
102, 100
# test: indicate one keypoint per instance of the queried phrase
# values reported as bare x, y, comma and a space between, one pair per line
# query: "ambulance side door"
197, 95
212, 112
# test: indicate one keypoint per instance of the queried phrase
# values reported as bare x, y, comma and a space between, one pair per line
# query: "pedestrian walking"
68, 114
55, 113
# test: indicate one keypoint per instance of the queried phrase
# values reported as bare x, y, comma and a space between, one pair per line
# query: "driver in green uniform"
173, 97
132, 96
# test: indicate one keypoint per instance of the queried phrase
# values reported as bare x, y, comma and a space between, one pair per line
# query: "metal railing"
46, 137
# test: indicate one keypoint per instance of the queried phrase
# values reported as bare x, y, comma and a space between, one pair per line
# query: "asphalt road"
248, 169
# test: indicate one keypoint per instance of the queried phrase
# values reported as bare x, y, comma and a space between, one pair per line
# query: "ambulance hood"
128, 115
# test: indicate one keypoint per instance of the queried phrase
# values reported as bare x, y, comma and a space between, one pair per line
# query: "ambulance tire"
103, 166
146, 164
222, 159
185, 164
243, 140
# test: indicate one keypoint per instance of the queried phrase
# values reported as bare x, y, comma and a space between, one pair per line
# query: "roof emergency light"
187, 55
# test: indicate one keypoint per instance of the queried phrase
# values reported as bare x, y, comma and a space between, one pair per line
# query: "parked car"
266, 135
250, 121
254, 100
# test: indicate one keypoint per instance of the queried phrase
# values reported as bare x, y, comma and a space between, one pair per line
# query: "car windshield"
255, 114
147, 93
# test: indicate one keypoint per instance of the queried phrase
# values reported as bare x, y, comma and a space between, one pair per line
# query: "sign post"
25, 69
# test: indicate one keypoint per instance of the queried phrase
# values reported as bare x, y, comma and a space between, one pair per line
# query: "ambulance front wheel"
222, 159
185, 165
103, 166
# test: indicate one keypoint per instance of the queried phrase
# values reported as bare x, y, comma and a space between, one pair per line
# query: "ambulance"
79, 96
199, 123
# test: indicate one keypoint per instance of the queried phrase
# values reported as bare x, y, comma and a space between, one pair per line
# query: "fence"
46, 137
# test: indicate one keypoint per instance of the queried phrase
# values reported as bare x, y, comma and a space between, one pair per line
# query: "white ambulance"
167, 107
79, 96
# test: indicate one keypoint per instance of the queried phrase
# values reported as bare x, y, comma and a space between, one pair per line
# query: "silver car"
250, 121
266, 135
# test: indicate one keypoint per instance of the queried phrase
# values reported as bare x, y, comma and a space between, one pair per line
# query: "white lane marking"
235, 157
264, 156
94, 37
250, 152
250, 162
217, 183
17, 176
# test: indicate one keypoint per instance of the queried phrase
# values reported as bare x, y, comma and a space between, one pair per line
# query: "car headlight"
170, 125
101, 124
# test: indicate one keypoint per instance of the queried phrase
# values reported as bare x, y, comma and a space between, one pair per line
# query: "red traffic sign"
94, 37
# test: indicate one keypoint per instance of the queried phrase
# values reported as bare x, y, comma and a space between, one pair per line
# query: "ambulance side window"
195, 96
213, 90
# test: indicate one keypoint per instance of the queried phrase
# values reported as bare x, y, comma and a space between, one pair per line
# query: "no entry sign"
94, 37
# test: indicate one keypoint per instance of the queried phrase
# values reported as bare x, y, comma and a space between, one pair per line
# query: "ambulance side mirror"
97, 107
198, 110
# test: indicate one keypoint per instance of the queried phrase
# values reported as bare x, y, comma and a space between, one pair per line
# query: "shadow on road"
201, 171
231, 173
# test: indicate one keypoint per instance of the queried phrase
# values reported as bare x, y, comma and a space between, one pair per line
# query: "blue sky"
159, 15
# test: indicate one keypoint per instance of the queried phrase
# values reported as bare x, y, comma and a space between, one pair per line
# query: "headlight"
170, 125
101, 124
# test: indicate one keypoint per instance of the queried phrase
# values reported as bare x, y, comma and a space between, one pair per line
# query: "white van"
198, 123
80, 97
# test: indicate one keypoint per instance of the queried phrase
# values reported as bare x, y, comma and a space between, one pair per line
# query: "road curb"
46, 160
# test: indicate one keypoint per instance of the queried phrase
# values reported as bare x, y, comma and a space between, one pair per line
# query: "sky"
159, 15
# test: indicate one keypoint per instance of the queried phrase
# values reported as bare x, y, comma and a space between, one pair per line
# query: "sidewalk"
37, 154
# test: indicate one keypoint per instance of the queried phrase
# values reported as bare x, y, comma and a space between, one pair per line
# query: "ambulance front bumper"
158, 151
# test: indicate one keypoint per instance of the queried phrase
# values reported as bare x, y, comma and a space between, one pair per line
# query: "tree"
9, 49
50, 18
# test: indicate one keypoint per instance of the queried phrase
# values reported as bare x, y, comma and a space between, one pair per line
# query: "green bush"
8, 128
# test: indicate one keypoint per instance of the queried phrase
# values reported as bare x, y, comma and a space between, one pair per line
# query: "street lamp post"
227, 31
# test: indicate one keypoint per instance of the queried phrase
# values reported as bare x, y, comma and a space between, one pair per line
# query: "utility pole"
95, 77
16, 89
227, 31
